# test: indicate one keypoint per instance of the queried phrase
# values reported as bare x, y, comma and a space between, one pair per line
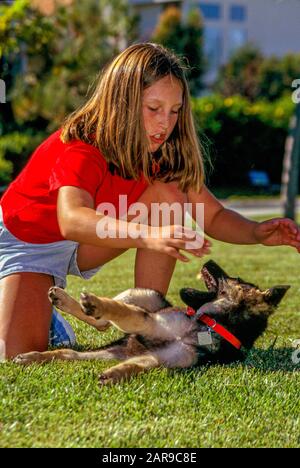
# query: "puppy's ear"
274, 295
196, 299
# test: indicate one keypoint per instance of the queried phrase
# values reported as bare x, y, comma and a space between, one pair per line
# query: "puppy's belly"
176, 354
173, 325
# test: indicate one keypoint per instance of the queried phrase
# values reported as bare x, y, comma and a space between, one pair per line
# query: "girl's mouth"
158, 138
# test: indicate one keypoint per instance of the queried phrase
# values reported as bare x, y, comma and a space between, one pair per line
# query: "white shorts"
57, 259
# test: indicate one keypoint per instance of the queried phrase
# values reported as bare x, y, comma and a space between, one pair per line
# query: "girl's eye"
152, 109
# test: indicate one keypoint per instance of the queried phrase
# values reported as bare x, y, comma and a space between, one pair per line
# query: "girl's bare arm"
78, 221
228, 226
221, 223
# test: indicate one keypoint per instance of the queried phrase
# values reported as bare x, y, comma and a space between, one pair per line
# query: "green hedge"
15, 149
241, 136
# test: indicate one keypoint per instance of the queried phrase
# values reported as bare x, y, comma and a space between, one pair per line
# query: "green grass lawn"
250, 405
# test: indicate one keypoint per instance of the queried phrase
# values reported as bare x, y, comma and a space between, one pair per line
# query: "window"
238, 13
211, 10
237, 37
213, 39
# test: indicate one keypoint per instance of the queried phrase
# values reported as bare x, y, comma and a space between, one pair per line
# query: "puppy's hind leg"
129, 368
61, 299
127, 317
173, 355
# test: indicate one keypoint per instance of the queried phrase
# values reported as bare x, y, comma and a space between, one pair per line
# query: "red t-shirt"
29, 204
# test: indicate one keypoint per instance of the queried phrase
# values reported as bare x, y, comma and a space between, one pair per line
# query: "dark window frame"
211, 11
238, 13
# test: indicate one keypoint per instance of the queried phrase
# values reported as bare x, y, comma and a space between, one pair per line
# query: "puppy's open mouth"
209, 280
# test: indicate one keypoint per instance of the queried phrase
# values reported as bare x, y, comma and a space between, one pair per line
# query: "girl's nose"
163, 122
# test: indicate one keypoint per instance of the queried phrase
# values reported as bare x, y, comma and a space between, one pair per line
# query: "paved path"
257, 207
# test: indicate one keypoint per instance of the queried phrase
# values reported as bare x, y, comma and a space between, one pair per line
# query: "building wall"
273, 25
149, 12
226, 28
148, 15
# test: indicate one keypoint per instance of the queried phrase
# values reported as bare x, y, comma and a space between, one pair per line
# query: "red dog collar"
211, 323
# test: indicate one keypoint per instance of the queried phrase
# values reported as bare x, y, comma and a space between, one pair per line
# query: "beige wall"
275, 25
148, 15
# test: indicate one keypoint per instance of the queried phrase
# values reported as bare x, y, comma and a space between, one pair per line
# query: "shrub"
254, 76
185, 38
15, 149
243, 136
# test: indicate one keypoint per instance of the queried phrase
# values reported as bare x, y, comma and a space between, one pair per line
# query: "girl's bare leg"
152, 269
89, 256
25, 313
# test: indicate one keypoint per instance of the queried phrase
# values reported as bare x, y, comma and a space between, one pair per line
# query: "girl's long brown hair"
112, 119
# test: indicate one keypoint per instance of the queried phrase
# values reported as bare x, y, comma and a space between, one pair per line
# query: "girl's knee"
170, 192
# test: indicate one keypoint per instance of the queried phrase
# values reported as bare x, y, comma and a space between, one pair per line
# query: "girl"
136, 137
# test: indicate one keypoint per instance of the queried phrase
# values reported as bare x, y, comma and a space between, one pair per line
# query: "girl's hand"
278, 231
171, 239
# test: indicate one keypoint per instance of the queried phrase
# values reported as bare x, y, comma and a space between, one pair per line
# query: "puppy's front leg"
127, 317
47, 356
109, 353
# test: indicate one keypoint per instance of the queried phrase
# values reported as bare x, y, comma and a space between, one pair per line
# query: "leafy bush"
254, 76
15, 149
243, 136
185, 38
52, 60
48, 63
278, 74
239, 136
240, 75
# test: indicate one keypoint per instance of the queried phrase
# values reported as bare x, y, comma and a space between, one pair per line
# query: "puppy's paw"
105, 380
59, 298
110, 377
29, 358
102, 325
91, 305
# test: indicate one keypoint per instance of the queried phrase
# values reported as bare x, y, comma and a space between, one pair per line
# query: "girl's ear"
274, 295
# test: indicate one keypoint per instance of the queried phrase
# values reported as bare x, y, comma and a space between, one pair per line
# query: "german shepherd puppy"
159, 334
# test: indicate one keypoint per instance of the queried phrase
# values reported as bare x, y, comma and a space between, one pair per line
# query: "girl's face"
161, 104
